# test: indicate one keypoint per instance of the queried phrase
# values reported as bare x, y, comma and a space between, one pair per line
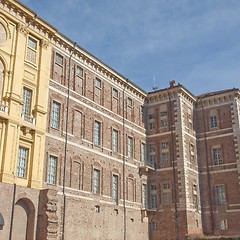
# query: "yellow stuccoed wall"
19, 25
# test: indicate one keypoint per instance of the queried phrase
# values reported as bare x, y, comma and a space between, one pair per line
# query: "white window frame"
22, 163
115, 182
96, 181
52, 169
31, 55
27, 101
97, 133
213, 121
55, 115
115, 143
130, 147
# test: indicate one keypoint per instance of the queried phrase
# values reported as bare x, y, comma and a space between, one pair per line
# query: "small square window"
97, 209
98, 83
163, 123
151, 116
164, 145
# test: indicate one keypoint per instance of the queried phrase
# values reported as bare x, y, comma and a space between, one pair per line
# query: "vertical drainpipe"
208, 172
174, 171
124, 162
66, 142
13, 208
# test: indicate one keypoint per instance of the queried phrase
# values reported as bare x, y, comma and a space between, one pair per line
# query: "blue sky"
195, 42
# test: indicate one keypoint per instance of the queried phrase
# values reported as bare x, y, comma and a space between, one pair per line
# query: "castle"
87, 154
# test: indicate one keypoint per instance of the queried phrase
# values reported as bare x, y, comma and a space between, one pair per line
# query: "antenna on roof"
154, 84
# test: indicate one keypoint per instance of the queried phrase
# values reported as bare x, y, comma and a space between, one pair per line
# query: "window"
55, 116
79, 71
195, 201
22, 162
153, 197
59, 59
163, 123
31, 50
143, 154
220, 195
130, 147
52, 170
97, 209
164, 145
129, 102
224, 224
151, 125
115, 140
192, 154
164, 157
151, 161
97, 133
115, 189
98, 83
154, 226
163, 114
213, 122
27, 100
151, 116
96, 181
144, 195
115, 93
217, 156
166, 193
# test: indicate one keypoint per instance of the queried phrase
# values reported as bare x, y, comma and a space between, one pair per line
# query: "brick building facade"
103, 158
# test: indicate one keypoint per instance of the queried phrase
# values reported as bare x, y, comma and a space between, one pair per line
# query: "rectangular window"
144, 195
143, 154
31, 50
115, 93
22, 162
163, 114
220, 195
154, 226
115, 189
217, 156
166, 193
213, 121
52, 170
164, 145
163, 123
195, 201
55, 115
98, 83
79, 71
223, 224
59, 59
151, 125
152, 161
164, 157
130, 147
96, 181
151, 116
27, 100
129, 102
153, 197
97, 133
115, 140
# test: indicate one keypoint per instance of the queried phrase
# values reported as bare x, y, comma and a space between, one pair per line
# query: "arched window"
1, 76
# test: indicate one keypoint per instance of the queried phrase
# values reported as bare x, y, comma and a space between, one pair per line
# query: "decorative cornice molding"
22, 29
